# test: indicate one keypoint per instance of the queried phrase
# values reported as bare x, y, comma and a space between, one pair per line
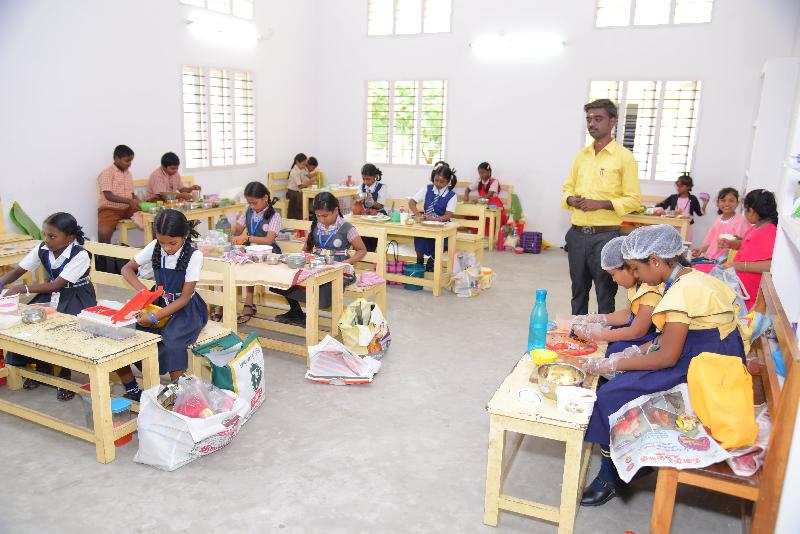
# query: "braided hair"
323, 201
484, 188
442, 168
66, 223
371, 170
259, 190
299, 158
173, 223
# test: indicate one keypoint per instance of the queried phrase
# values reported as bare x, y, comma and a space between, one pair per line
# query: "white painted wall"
525, 117
80, 78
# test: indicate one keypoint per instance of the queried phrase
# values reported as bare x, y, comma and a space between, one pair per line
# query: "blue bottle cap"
120, 405
541, 293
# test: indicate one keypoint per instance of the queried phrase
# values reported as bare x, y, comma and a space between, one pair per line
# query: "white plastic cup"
575, 399
403, 217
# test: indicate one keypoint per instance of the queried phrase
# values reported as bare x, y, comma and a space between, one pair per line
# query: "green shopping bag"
24, 222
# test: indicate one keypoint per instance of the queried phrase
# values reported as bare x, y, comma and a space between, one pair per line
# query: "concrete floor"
406, 453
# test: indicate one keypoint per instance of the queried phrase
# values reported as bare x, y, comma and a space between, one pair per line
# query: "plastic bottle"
224, 226
537, 331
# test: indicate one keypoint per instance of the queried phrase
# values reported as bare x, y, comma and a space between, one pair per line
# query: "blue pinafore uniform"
257, 227
434, 205
619, 346
374, 194
183, 327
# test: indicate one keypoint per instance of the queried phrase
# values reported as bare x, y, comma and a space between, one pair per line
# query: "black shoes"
600, 492
292, 317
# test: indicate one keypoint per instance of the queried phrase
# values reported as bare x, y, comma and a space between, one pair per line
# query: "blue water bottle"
537, 331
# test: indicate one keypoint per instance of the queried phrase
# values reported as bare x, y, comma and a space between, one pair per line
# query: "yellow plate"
154, 308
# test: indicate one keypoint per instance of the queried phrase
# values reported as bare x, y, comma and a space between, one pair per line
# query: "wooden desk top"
16, 248
414, 230
13, 238
60, 334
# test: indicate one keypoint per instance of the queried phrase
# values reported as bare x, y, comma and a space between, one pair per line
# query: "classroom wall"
80, 78
525, 117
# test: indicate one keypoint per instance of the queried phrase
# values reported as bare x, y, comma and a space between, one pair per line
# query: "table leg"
14, 378
569, 483
380, 298
210, 222
148, 229
337, 303
312, 316
492, 225
586, 456
437, 264
305, 207
150, 375
494, 473
664, 501
101, 414
482, 225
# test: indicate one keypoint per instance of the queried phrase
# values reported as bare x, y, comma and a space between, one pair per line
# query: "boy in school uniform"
166, 179
115, 198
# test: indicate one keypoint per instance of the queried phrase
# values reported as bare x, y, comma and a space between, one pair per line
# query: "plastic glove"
601, 366
588, 331
629, 352
596, 318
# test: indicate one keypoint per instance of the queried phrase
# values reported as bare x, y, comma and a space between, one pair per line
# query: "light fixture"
517, 46
223, 29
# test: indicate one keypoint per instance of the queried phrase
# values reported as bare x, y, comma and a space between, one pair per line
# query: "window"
406, 121
407, 17
652, 12
218, 117
237, 8
657, 122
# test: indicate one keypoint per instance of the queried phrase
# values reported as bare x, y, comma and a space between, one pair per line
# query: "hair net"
661, 240
611, 255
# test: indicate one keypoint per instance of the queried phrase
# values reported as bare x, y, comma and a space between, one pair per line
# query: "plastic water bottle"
537, 331
224, 225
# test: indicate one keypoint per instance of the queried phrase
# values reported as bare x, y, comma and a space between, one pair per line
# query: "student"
439, 205
375, 191
329, 234
697, 314
298, 179
68, 288
166, 179
176, 266
313, 171
683, 202
115, 198
754, 256
487, 187
632, 326
262, 224
728, 222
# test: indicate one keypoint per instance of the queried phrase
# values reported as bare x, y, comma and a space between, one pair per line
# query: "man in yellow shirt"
602, 186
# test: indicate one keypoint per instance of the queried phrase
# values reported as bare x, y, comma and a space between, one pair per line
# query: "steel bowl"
168, 196
553, 375
33, 315
272, 259
296, 261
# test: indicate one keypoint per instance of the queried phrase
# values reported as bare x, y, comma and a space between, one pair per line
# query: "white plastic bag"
463, 261
466, 283
364, 329
169, 440
330, 362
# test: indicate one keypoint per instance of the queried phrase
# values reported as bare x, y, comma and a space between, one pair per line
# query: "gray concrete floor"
406, 453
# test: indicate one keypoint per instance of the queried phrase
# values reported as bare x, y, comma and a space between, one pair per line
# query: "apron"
258, 227
494, 201
183, 328
434, 205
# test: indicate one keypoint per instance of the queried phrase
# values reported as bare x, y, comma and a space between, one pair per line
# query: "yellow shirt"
699, 300
612, 174
645, 295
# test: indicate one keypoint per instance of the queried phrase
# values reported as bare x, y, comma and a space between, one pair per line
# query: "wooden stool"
470, 243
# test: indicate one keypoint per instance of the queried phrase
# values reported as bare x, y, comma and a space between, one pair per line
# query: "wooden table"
11, 253
680, 223
310, 192
484, 212
59, 341
493, 215
509, 414
13, 238
312, 285
202, 213
438, 233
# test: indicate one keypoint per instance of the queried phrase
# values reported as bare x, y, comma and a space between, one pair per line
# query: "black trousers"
584, 268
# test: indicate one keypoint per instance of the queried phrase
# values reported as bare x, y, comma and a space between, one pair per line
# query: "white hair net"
611, 255
661, 240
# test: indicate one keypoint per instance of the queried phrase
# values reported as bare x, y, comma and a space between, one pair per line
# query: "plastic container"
416, 270
531, 242
9, 304
120, 414
224, 226
537, 328
574, 399
543, 356
101, 325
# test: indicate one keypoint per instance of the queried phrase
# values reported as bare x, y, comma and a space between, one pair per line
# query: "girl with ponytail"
176, 267
68, 288
439, 205
298, 180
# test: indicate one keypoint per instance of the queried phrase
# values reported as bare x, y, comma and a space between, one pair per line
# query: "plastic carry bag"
466, 283
169, 440
364, 329
330, 362
721, 391
238, 367
746, 461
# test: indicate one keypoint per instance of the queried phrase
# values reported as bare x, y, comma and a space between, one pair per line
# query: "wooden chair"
765, 487
505, 193
278, 184
140, 187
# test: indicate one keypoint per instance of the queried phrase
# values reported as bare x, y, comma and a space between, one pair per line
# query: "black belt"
595, 229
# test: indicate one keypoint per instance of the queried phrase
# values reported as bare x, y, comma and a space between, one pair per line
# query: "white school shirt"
381, 194
419, 196
171, 261
73, 271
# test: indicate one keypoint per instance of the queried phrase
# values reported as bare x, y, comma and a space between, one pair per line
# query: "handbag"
396, 265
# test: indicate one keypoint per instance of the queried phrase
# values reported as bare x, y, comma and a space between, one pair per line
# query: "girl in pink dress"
755, 249
729, 222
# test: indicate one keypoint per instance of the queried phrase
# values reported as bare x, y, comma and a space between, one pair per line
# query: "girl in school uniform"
329, 234
631, 326
439, 204
176, 267
259, 225
696, 314
728, 222
69, 289
298, 180
487, 186
375, 191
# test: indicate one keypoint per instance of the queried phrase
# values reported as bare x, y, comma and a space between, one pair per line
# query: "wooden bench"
225, 298
765, 487
138, 186
505, 193
278, 185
